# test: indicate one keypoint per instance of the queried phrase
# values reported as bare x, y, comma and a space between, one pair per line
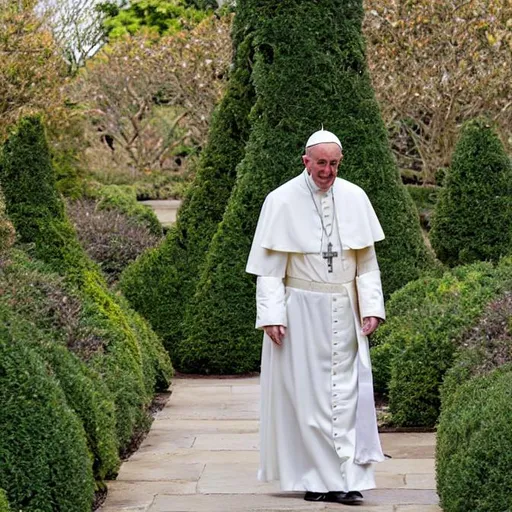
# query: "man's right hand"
276, 333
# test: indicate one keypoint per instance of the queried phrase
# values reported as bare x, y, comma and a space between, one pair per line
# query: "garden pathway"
201, 455
165, 209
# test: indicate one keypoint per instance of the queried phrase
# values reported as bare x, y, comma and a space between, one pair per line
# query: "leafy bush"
32, 201
323, 41
473, 216
41, 221
39, 312
416, 346
474, 445
45, 461
486, 347
474, 442
112, 239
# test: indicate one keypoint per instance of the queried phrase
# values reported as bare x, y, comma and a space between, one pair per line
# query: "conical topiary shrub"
473, 216
309, 69
160, 283
33, 203
133, 361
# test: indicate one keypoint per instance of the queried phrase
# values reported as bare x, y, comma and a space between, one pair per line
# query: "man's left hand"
370, 323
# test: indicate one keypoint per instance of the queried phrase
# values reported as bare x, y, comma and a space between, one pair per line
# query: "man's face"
322, 163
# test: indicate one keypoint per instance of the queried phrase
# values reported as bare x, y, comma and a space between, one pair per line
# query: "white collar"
314, 187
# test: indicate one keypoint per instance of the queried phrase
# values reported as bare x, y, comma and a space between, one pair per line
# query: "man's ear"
305, 160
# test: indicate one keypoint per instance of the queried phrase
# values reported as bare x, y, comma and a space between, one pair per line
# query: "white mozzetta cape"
289, 222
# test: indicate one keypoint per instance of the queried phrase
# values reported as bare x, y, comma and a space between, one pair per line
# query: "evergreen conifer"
473, 216
309, 70
160, 283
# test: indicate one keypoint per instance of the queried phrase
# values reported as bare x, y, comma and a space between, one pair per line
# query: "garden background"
103, 105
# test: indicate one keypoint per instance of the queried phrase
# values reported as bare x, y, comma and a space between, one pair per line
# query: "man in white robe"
318, 297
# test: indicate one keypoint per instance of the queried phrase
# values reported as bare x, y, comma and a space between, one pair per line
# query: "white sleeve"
369, 287
270, 302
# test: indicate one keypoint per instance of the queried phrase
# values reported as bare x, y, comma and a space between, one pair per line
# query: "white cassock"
318, 428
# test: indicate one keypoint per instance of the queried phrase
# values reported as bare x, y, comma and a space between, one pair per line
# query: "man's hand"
370, 323
276, 333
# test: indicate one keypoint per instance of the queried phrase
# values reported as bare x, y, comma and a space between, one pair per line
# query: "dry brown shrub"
145, 96
110, 238
32, 71
436, 64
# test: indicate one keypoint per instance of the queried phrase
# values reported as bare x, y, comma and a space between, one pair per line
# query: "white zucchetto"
322, 137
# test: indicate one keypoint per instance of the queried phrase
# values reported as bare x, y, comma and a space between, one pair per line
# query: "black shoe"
346, 498
315, 496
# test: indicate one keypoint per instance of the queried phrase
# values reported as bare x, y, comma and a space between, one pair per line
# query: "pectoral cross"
329, 255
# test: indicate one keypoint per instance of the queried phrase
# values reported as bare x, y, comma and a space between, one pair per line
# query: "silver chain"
328, 235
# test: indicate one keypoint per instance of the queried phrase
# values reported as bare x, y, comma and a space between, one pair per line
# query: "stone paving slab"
201, 455
226, 442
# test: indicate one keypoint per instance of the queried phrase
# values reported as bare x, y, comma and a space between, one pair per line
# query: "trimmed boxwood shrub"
160, 283
40, 313
473, 441
41, 221
33, 203
46, 465
473, 217
322, 43
416, 346
474, 445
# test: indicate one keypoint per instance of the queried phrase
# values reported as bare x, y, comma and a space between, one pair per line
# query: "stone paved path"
201, 456
165, 210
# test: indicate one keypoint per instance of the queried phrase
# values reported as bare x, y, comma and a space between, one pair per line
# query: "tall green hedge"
128, 367
416, 346
474, 445
473, 217
45, 462
39, 312
160, 283
309, 70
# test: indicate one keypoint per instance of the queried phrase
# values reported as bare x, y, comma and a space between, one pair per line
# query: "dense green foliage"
160, 16
39, 311
309, 69
416, 346
130, 357
473, 217
160, 283
45, 461
32, 201
474, 445
474, 442
424, 198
